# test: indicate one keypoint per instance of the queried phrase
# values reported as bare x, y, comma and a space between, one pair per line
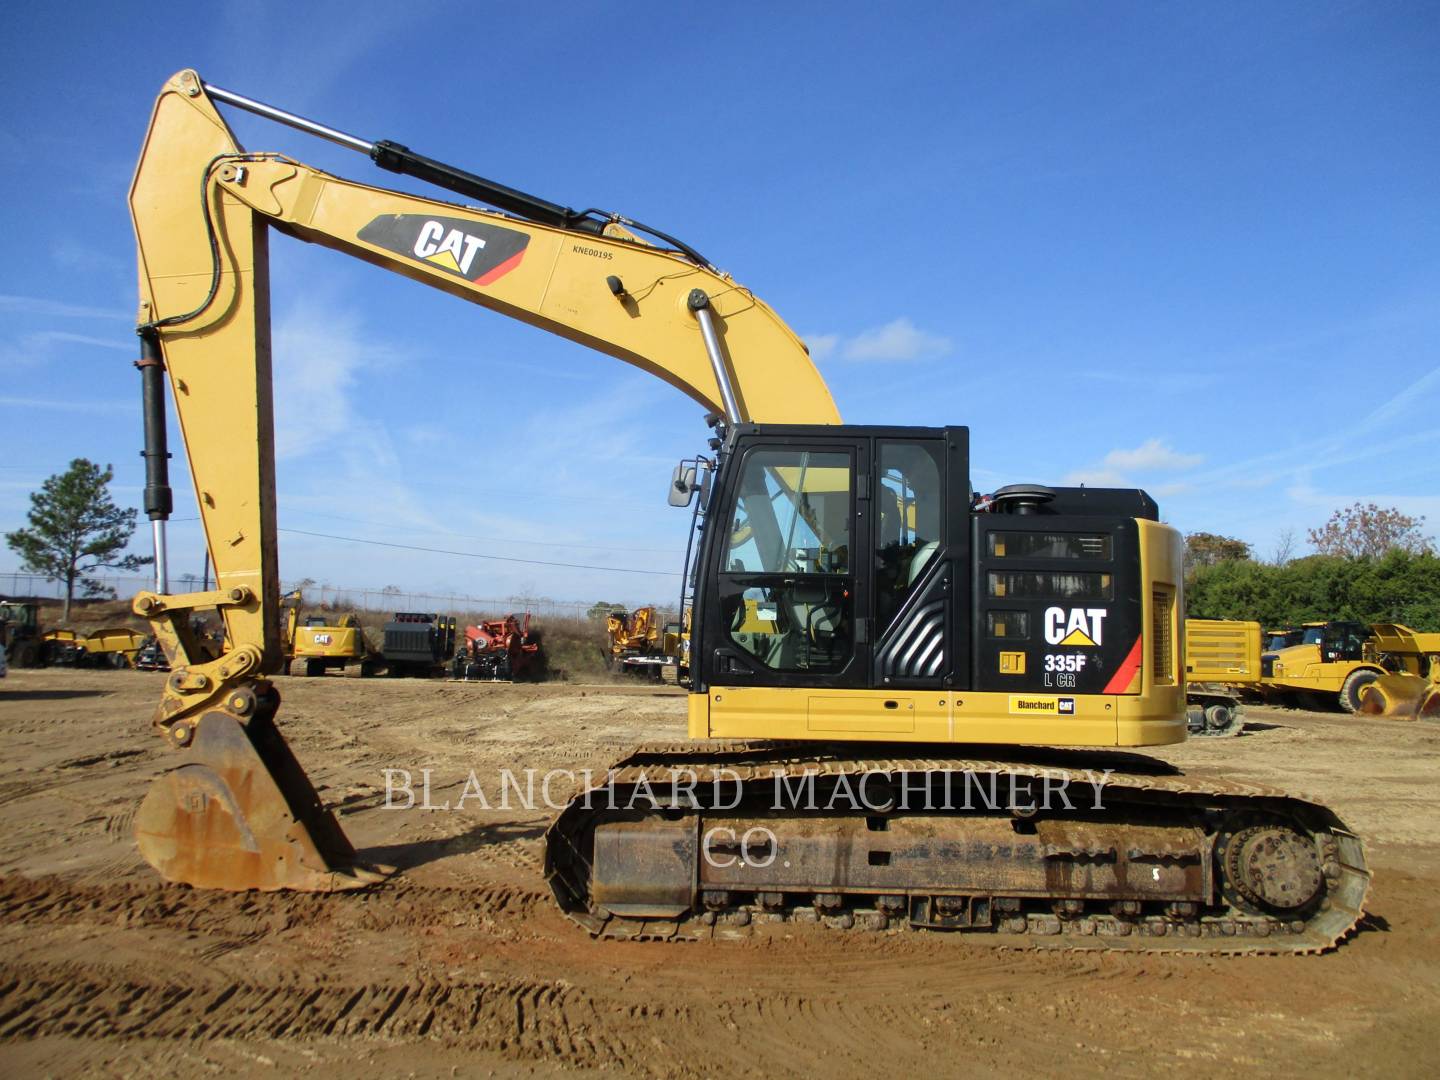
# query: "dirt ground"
463, 966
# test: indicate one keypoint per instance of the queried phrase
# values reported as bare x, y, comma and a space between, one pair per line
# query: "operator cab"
859, 557
1337, 640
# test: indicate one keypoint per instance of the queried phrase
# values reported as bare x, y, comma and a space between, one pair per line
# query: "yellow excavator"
319, 645
882, 665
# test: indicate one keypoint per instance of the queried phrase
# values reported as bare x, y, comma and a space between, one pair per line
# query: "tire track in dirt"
520, 1018
518, 1014
251, 915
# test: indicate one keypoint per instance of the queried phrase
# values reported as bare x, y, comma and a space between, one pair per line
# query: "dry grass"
574, 647
90, 615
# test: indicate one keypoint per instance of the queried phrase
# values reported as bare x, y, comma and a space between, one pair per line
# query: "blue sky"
1193, 248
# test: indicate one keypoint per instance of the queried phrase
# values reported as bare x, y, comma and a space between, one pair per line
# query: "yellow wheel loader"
882, 664
20, 634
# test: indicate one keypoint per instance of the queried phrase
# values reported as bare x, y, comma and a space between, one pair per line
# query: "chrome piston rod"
270, 112
700, 305
396, 158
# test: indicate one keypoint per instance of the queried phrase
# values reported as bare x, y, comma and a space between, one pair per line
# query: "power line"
483, 539
474, 555
477, 555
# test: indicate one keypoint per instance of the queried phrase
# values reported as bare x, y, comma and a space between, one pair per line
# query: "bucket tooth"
240, 814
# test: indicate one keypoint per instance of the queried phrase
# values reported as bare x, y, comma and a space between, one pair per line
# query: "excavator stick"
1402, 697
241, 814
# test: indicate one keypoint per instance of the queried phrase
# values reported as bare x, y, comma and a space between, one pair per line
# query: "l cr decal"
474, 250
1075, 626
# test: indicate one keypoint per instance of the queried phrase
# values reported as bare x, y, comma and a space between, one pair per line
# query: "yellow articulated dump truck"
112, 647
1411, 688
1382, 669
1221, 657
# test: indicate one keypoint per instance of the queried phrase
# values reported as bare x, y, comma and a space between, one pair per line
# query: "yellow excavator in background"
862, 624
320, 645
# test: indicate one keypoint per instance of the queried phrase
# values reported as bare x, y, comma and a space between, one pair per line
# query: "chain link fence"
360, 598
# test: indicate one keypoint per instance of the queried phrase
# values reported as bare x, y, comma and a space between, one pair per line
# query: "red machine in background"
500, 649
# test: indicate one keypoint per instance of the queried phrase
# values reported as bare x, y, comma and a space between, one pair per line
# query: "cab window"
792, 514
787, 595
908, 516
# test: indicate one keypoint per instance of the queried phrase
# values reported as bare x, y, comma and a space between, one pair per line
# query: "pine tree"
75, 529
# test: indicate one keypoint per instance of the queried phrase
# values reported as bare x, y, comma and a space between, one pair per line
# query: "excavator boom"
203, 209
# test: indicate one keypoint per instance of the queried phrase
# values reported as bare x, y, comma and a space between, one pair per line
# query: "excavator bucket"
1401, 697
241, 814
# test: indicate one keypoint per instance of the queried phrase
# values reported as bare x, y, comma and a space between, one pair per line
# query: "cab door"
918, 657
787, 635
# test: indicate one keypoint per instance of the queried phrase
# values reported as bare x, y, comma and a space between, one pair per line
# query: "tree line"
1373, 564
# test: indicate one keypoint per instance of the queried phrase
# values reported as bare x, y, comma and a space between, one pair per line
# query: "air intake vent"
1162, 637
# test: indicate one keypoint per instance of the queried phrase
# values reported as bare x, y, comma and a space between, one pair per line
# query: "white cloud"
67, 406
33, 347
1390, 410
898, 341
56, 309
1096, 477
319, 353
425, 435
1307, 495
1174, 381
1170, 490
1151, 456
821, 345
37, 347
45, 338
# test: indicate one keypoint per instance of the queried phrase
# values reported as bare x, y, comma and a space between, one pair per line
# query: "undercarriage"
1055, 848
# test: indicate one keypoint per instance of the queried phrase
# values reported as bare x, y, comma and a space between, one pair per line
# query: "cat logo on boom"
477, 251
453, 249
1077, 626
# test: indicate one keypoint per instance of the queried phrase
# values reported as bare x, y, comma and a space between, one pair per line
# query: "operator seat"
919, 561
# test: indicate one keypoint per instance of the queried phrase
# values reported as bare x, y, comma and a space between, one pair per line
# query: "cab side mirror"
682, 485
